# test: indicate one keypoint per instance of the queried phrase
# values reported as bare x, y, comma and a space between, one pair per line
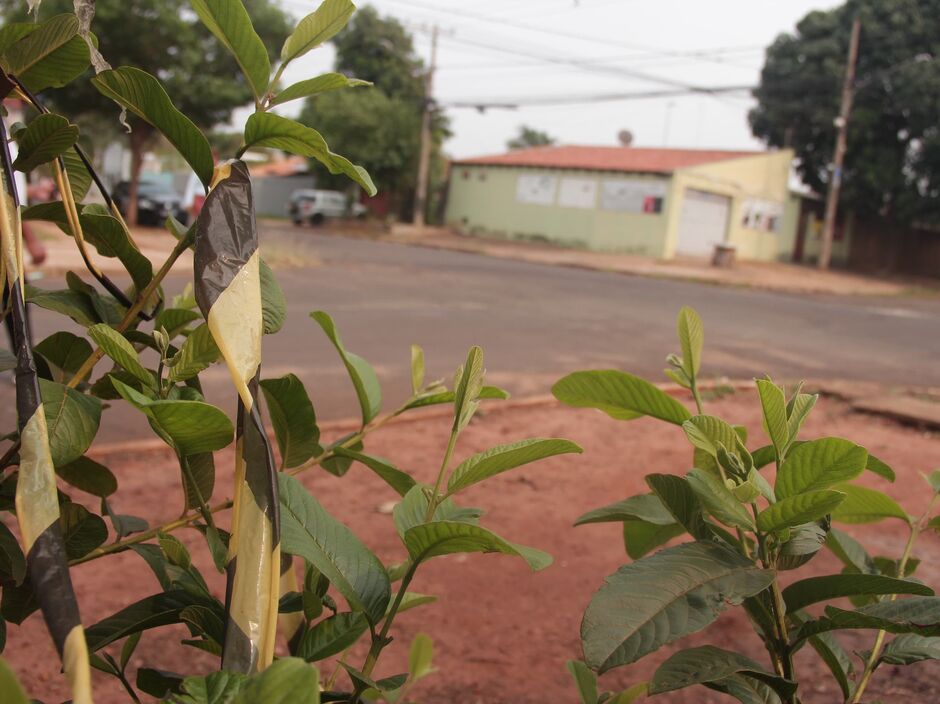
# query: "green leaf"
850, 552
10, 690
413, 600
745, 690
229, 22
620, 395
435, 398
718, 500
50, 56
286, 681
497, 460
641, 537
710, 433
413, 508
214, 688
585, 680
79, 177
630, 694
269, 130
691, 339
64, 301
704, 579
331, 636
317, 27
293, 418
150, 612
819, 464
82, 531
646, 507
420, 656
805, 541
197, 353
191, 427
116, 346
315, 86
360, 371
679, 499
417, 369
111, 239
918, 614
159, 683
143, 95
798, 411
774, 406
468, 382
710, 664
836, 659
273, 302
65, 352
72, 419
864, 505
12, 560
910, 648
428, 540
401, 482
46, 137
813, 590
308, 531
202, 467
89, 476
799, 509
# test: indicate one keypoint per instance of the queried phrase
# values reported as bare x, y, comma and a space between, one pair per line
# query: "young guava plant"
745, 537
156, 348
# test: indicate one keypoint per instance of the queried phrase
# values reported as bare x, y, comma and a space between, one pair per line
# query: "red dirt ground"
503, 634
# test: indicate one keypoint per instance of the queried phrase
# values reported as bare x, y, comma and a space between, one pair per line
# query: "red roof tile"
636, 159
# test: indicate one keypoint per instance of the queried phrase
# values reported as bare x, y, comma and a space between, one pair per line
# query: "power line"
620, 71
550, 100
555, 32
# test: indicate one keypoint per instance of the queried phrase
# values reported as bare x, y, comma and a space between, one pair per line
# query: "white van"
315, 206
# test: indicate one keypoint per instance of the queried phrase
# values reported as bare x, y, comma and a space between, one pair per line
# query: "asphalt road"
537, 322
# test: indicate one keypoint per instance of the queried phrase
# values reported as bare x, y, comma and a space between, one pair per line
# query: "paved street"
537, 322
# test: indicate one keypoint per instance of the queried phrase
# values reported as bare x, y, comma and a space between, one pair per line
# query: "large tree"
166, 39
892, 165
378, 126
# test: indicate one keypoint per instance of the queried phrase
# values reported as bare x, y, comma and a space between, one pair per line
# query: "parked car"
315, 206
155, 201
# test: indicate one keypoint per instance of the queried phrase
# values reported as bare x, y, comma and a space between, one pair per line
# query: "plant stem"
693, 387
434, 501
379, 642
873, 660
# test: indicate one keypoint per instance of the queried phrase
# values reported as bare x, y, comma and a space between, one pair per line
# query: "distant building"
652, 202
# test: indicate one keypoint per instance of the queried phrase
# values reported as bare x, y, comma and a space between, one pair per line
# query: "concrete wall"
762, 178
483, 200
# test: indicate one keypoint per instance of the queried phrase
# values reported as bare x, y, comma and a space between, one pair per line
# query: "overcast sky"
504, 51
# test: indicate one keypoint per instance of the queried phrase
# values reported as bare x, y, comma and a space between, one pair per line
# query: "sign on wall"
536, 189
633, 195
578, 193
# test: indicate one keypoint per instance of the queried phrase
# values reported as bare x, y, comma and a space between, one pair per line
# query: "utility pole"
424, 163
842, 124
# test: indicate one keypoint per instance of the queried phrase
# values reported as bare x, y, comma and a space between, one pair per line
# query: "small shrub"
746, 536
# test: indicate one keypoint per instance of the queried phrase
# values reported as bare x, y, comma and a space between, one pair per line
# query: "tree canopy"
529, 137
378, 126
892, 165
168, 41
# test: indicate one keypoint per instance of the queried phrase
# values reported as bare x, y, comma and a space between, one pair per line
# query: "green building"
652, 202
